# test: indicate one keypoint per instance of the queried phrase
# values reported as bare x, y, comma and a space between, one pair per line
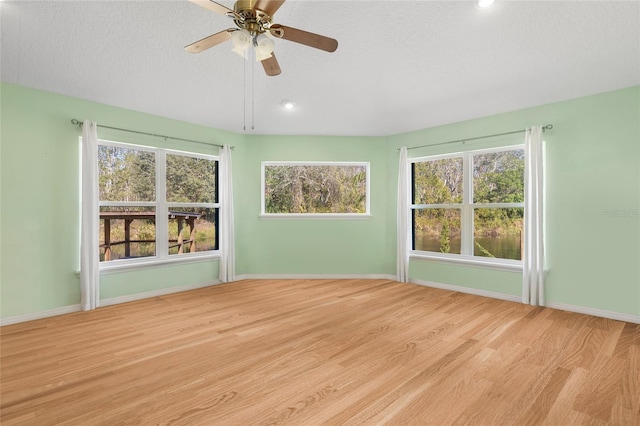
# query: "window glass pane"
437, 230
190, 179
126, 174
315, 188
498, 233
192, 229
498, 177
438, 181
127, 232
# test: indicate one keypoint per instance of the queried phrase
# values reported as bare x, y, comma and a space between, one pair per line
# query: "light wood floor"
311, 352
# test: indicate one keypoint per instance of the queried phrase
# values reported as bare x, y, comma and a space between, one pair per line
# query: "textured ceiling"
400, 65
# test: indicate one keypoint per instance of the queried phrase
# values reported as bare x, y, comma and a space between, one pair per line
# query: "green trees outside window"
315, 188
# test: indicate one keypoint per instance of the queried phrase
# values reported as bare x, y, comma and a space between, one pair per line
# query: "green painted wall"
39, 210
593, 158
310, 246
593, 173
467, 276
122, 283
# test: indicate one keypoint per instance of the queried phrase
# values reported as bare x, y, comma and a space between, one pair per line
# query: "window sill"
506, 265
340, 216
138, 265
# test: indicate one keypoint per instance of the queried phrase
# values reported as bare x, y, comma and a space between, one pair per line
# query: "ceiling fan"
254, 19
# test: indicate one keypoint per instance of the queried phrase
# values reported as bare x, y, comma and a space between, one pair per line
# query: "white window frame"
467, 208
162, 207
366, 214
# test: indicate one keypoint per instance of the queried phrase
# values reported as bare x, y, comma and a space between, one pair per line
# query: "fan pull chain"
244, 95
253, 96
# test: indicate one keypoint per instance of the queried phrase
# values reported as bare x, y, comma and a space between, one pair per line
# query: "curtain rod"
544, 128
79, 123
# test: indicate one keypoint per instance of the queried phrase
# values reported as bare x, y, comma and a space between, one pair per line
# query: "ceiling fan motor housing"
254, 20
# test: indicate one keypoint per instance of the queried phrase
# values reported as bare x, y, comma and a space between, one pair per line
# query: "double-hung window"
469, 205
156, 204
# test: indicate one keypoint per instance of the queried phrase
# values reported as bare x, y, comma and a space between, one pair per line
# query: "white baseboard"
595, 312
104, 302
469, 290
154, 293
39, 315
554, 305
138, 296
315, 277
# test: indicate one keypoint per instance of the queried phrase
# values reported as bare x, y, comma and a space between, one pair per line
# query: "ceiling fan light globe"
241, 39
264, 47
265, 43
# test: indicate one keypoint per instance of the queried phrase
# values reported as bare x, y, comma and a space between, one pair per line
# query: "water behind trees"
503, 247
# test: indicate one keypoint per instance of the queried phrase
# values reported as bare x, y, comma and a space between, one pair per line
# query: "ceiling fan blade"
209, 42
271, 66
212, 5
269, 6
304, 37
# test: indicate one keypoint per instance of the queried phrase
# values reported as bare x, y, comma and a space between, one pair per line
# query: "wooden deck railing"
129, 217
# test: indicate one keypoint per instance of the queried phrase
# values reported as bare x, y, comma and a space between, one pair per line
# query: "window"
315, 189
469, 204
147, 192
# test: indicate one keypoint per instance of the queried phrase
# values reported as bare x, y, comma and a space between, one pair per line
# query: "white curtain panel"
227, 234
402, 258
533, 273
89, 239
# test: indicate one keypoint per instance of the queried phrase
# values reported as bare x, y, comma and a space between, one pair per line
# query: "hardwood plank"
541, 406
562, 408
600, 388
625, 340
628, 396
310, 352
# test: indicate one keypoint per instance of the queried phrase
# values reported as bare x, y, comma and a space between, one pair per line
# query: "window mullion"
162, 213
126, 203
435, 206
173, 206
467, 209
497, 205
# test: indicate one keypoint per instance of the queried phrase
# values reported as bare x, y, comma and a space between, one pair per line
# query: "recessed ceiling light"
288, 105
485, 3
